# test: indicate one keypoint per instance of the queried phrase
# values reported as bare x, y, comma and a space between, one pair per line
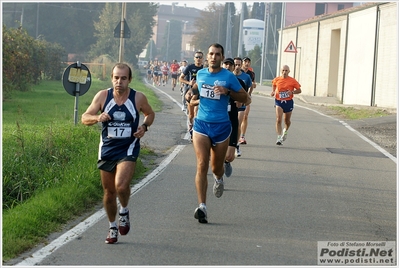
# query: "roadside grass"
359, 113
49, 164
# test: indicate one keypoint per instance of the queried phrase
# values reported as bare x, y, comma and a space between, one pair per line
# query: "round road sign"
74, 75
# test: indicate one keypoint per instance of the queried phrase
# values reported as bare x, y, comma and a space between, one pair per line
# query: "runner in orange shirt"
284, 88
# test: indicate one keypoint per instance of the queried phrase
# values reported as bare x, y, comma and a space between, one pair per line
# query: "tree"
151, 50
209, 27
258, 11
140, 22
68, 24
171, 49
212, 27
256, 60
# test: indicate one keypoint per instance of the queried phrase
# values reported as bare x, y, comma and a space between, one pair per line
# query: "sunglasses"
198, 57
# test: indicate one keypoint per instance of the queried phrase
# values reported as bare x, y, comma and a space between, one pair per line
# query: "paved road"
325, 183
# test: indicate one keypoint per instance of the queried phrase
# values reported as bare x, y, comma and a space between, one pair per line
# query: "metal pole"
265, 32
228, 32
121, 39
281, 35
239, 54
151, 49
37, 20
167, 42
77, 93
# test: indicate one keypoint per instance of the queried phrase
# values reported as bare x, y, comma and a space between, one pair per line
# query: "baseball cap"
246, 58
229, 60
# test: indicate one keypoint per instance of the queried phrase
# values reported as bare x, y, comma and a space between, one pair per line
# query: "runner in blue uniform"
119, 116
212, 126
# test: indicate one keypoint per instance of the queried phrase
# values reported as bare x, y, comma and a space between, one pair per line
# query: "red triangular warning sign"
291, 48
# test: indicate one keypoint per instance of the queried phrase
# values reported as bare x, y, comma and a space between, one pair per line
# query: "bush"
26, 60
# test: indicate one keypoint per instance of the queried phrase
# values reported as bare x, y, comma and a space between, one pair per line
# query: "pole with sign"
76, 80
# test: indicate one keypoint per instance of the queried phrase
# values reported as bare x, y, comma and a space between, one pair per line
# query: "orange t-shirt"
283, 85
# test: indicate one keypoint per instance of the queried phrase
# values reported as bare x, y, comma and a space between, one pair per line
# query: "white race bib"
208, 92
284, 95
119, 130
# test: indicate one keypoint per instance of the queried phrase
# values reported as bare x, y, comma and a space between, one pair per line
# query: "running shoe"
218, 188
242, 141
228, 169
191, 135
201, 215
112, 237
238, 151
279, 140
284, 134
124, 223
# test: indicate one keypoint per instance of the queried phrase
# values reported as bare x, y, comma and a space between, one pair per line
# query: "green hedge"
27, 60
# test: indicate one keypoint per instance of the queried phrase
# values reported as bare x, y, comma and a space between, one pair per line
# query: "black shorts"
233, 114
110, 165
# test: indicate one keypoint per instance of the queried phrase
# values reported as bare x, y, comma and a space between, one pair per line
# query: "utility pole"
228, 32
264, 48
122, 39
282, 22
239, 52
167, 42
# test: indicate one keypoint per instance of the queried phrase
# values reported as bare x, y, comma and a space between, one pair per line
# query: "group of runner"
161, 72
224, 86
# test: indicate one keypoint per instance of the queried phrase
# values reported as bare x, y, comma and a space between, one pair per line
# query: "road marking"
42, 253
376, 146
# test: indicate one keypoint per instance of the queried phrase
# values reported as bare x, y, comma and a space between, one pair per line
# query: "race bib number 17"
119, 132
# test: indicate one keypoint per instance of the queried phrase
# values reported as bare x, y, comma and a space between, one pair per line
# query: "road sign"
76, 75
76, 80
291, 48
126, 30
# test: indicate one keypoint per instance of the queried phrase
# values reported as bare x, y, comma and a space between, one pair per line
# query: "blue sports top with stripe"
117, 140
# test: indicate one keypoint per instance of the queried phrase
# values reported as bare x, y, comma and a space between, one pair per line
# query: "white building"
350, 54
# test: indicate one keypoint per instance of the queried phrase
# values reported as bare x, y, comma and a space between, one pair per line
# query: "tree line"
87, 30
27, 60
37, 37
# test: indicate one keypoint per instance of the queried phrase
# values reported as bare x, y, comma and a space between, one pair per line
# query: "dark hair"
199, 52
122, 66
238, 58
217, 46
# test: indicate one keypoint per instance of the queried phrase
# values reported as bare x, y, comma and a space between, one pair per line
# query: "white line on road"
39, 255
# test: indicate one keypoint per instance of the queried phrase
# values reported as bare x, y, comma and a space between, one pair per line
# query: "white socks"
123, 210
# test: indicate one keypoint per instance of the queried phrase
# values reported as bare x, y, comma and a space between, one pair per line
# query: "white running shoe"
279, 140
238, 151
201, 215
284, 134
218, 188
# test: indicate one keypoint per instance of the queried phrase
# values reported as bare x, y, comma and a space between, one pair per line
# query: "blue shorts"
286, 105
242, 108
216, 132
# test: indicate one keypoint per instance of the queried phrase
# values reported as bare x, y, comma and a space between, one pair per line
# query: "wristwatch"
146, 127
